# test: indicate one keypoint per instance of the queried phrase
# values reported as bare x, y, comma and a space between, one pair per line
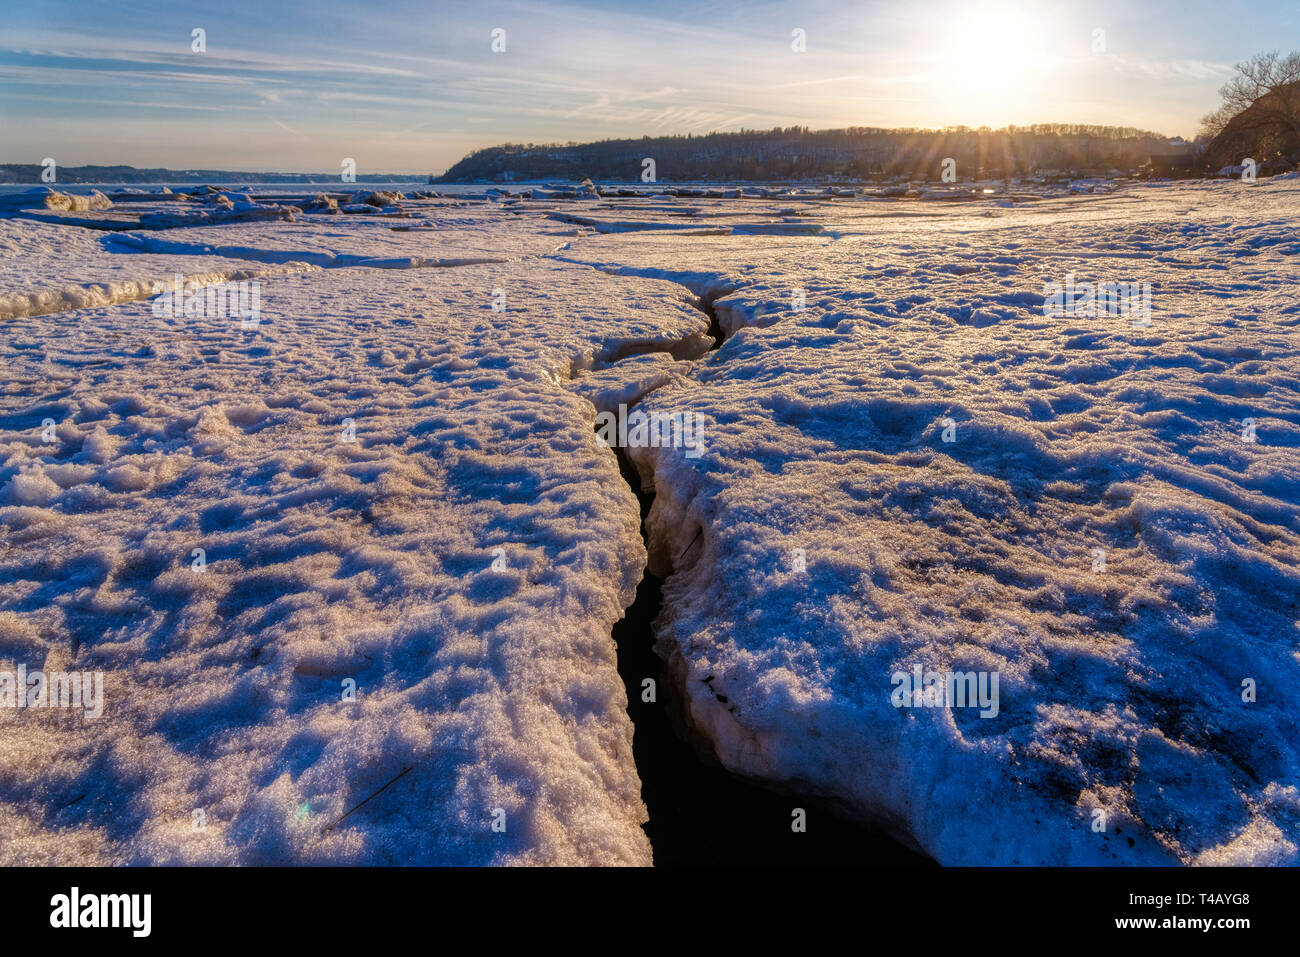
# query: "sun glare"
989, 61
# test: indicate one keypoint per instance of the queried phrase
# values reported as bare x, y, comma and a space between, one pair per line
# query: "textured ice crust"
1122, 735
47, 268
393, 485
394, 481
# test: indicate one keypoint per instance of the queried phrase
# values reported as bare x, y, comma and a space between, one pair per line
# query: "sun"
989, 60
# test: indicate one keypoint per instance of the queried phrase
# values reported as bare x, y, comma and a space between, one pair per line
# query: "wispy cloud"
423, 84
1173, 69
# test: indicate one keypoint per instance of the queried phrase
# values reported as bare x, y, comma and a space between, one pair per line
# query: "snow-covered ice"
1111, 528
48, 268
460, 554
394, 481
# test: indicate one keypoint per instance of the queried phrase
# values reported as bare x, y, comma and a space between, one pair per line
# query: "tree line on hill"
799, 153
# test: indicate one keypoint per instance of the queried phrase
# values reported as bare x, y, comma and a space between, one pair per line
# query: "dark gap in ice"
681, 350
700, 814
705, 305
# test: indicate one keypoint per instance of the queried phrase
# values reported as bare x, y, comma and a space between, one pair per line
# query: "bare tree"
1212, 123
1270, 83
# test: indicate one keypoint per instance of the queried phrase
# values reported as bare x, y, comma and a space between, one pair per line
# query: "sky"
414, 86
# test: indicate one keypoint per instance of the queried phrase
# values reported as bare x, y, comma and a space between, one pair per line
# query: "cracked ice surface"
1121, 690
372, 560
47, 268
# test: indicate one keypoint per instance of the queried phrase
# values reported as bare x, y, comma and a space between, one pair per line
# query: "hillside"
797, 153
1261, 132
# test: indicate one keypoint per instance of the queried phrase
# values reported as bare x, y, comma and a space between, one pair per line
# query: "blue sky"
411, 87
